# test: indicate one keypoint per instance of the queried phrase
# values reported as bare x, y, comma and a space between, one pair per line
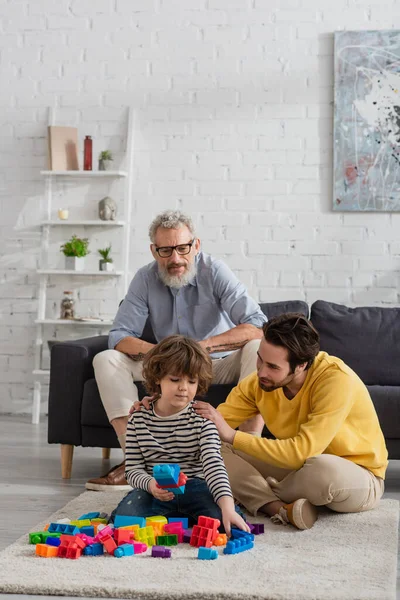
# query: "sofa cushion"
273, 309
386, 400
365, 338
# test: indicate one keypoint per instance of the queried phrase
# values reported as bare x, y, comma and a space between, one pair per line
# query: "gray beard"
177, 281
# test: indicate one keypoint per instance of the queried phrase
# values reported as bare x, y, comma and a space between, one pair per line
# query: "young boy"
170, 431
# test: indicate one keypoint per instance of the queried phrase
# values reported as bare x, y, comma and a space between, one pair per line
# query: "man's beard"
177, 281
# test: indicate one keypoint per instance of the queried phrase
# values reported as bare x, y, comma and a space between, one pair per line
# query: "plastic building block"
65, 520
157, 519
176, 528
74, 551
46, 551
94, 550
99, 520
207, 554
108, 543
210, 523
258, 528
89, 515
220, 540
81, 523
124, 536
101, 533
122, 520
167, 540
88, 530
236, 545
133, 528
40, 537
109, 528
139, 547
238, 533
53, 541
146, 535
183, 520
88, 539
160, 552
167, 474
201, 536
179, 488
63, 528
124, 550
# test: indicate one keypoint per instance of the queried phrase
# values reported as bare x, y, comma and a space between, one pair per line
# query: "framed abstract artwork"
366, 151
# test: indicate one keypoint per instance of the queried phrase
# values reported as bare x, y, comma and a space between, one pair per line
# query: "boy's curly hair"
177, 355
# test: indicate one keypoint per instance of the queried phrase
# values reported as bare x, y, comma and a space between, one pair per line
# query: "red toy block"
201, 536
210, 523
124, 536
108, 543
181, 482
74, 551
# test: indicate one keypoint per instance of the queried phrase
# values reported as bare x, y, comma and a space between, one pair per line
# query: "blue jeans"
196, 501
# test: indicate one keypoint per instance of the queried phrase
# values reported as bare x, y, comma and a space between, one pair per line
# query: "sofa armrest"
70, 367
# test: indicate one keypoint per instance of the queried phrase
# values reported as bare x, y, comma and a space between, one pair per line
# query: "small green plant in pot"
106, 262
75, 251
105, 160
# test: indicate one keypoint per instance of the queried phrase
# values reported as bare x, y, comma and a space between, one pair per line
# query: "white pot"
106, 266
75, 263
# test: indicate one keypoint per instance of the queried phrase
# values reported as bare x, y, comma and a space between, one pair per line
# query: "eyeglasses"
182, 249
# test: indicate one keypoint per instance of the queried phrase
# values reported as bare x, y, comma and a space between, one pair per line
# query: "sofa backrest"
367, 339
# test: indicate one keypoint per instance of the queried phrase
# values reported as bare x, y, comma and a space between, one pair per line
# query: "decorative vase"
105, 165
75, 263
107, 209
106, 266
87, 153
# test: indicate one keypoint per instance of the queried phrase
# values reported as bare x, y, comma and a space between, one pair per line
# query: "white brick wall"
234, 125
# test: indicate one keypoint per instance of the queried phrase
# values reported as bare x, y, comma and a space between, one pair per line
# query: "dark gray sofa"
367, 339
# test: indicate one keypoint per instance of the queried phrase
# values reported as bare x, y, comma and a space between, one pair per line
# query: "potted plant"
75, 251
106, 262
105, 160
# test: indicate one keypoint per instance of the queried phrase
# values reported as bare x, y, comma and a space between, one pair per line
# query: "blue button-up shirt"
212, 303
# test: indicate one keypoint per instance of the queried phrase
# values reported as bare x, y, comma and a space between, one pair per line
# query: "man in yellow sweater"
329, 448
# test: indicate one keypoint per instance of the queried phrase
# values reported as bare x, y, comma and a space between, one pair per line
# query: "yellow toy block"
46, 551
98, 521
134, 528
158, 519
81, 523
146, 535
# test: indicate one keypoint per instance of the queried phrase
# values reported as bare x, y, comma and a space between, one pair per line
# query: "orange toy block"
220, 540
108, 543
124, 536
46, 551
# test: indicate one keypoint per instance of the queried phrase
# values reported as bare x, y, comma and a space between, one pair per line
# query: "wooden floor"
32, 488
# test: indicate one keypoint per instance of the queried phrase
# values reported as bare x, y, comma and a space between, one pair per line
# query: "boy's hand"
146, 401
233, 519
159, 493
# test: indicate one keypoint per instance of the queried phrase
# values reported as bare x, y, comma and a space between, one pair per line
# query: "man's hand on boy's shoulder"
145, 402
205, 410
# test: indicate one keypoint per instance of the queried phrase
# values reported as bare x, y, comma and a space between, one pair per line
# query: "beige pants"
325, 480
115, 373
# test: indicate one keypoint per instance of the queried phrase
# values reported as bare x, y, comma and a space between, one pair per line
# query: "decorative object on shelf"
87, 153
107, 209
63, 214
63, 148
105, 160
75, 251
106, 262
67, 306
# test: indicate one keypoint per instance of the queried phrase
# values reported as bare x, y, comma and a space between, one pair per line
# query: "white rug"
344, 557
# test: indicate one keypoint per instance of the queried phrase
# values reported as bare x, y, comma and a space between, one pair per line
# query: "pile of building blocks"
170, 478
92, 535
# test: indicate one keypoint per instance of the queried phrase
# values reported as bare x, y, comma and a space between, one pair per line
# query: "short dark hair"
177, 355
296, 333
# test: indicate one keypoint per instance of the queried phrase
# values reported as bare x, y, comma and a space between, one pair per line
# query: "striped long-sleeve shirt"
184, 438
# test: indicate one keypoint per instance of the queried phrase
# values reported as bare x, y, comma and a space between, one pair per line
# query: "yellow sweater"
331, 414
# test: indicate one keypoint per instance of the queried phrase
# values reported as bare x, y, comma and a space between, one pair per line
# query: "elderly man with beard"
183, 291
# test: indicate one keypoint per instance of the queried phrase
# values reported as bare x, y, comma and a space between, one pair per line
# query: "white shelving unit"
44, 273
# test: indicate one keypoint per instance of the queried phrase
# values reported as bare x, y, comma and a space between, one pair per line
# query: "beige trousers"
115, 373
325, 480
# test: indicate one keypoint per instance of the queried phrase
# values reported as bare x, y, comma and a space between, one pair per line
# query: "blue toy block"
123, 520
183, 520
90, 516
238, 533
63, 528
94, 550
236, 545
53, 541
207, 553
176, 490
124, 550
166, 474
88, 530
